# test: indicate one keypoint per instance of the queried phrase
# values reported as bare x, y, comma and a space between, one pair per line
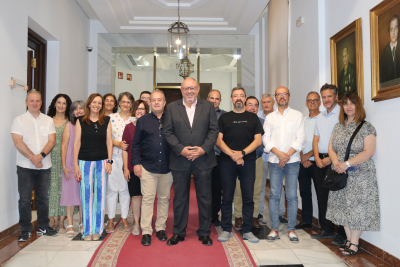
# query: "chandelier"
178, 39
185, 67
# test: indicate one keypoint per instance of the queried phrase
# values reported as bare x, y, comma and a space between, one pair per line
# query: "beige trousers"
237, 199
152, 184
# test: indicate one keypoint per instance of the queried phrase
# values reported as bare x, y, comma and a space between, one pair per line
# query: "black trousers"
305, 176
216, 189
322, 195
202, 180
27, 178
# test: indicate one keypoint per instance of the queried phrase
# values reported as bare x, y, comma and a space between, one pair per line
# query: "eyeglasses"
187, 89
312, 100
96, 128
282, 94
145, 98
251, 105
142, 109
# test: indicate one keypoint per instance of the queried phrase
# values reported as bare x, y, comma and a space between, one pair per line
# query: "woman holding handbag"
356, 206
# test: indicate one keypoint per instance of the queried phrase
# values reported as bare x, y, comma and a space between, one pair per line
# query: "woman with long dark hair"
110, 104
70, 194
59, 110
92, 163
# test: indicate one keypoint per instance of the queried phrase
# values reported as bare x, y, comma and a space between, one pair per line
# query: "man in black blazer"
191, 130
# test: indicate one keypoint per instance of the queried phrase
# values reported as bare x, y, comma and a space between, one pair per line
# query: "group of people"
100, 155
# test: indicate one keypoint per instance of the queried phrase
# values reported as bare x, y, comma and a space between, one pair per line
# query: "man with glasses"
322, 134
150, 161
284, 140
307, 163
191, 130
145, 96
251, 105
239, 136
214, 96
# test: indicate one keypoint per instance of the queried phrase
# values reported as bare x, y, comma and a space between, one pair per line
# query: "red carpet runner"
123, 249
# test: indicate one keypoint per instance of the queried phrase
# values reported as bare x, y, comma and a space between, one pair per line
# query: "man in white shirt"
307, 163
34, 136
322, 134
284, 140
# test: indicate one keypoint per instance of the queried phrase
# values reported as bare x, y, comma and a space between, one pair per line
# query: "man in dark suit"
389, 62
347, 77
191, 130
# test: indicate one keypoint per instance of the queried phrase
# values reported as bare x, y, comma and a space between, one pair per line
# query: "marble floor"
62, 251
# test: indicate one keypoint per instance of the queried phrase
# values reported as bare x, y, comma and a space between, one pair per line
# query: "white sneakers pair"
273, 235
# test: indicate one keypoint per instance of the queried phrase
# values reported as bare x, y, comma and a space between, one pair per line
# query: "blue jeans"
290, 172
247, 176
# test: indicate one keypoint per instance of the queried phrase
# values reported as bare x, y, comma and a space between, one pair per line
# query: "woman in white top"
116, 183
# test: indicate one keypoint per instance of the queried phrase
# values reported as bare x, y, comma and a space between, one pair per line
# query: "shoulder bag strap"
351, 140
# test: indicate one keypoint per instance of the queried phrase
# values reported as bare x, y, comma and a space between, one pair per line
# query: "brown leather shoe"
238, 222
256, 223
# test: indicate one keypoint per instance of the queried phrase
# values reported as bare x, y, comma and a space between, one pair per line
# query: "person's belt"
323, 155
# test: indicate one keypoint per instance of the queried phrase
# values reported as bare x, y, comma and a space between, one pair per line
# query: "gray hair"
191, 79
238, 88
33, 92
157, 91
74, 105
313, 92
266, 95
214, 90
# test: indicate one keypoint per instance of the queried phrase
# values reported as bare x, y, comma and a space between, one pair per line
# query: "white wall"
310, 60
66, 26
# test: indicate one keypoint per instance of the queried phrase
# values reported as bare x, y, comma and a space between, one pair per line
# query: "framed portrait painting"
346, 60
385, 55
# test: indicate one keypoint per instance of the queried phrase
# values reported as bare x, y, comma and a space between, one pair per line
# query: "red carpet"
123, 249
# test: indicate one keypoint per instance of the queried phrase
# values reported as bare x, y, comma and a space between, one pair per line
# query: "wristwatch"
43, 154
244, 153
348, 164
110, 161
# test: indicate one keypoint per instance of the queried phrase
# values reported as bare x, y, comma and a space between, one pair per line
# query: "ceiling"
155, 16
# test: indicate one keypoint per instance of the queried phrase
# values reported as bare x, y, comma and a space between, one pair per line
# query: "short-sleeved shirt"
93, 140
35, 135
219, 112
324, 126
239, 130
309, 126
118, 126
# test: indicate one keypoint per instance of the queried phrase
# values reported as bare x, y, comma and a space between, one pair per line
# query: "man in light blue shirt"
322, 134
214, 96
307, 163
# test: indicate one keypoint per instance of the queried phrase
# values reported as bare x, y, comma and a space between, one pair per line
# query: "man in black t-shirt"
239, 135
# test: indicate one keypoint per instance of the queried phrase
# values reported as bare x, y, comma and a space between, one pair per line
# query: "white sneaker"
273, 235
224, 236
135, 230
250, 237
293, 236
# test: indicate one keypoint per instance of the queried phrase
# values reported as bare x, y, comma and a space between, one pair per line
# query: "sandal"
61, 230
71, 233
110, 229
127, 227
344, 247
351, 252
81, 229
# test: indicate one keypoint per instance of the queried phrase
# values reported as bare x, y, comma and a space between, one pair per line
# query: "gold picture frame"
385, 80
347, 60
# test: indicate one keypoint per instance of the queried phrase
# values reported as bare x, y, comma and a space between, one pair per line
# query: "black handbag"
335, 181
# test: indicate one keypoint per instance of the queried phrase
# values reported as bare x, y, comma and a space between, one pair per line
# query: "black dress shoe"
339, 240
323, 234
161, 235
206, 240
174, 240
303, 225
216, 222
146, 240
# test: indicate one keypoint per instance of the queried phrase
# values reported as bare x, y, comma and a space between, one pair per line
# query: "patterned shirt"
118, 126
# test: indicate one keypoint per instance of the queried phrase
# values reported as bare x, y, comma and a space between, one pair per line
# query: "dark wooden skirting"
366, 246
9, 231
